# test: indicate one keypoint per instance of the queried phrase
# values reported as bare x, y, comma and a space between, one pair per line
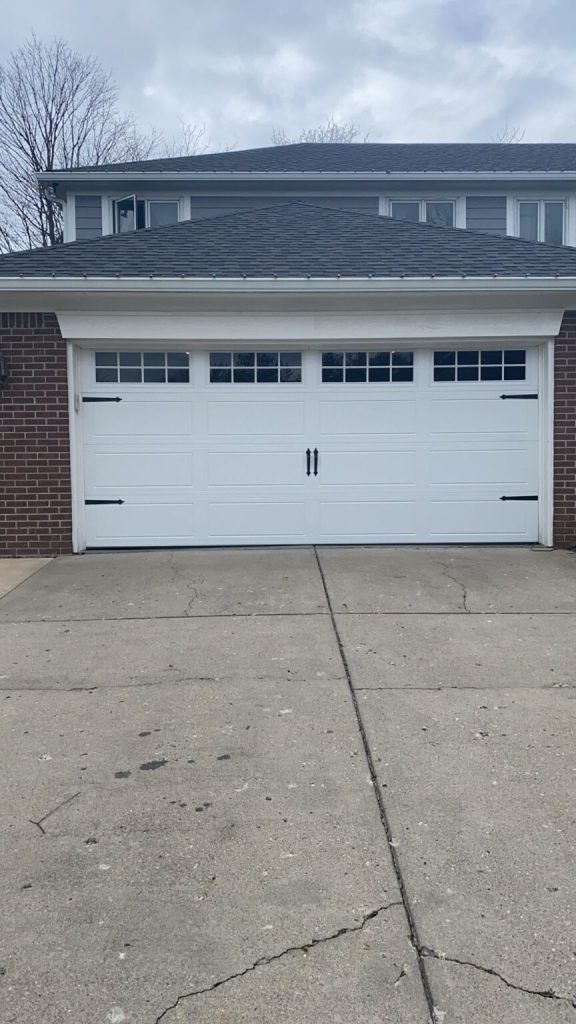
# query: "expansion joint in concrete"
383, 813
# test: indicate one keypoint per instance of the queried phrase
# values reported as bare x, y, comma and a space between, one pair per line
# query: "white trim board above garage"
424, 326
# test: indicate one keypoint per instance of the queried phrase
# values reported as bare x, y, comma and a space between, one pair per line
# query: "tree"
330, 131
509, 133
57, 109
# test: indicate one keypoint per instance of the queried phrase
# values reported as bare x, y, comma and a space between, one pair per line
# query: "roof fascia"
399, 285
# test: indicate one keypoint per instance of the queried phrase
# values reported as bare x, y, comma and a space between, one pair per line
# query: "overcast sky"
403, 70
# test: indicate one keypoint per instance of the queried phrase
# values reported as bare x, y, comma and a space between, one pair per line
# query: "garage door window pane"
220, 359
267, 376
154, 375
177, 359
142, 368
267, 358
106, 367
255, 367
379, 358
130, 375
290, 375
402, 359
488, 365
379, 374
367, 367
244, 359
290, 359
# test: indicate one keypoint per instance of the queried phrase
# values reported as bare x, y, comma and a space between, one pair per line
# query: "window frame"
109, 213
422, 205
256, 352
141, 367
367, 365
495, 381
561, 200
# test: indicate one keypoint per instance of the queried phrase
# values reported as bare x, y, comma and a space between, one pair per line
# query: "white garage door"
271, 447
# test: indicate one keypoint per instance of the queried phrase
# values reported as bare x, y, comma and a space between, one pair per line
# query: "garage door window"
487, 365
142, 368
367, 367
255, 367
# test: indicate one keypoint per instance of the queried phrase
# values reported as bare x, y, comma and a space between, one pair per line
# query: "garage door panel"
473, 415
137, 418
381, 416
256, 469
259, 521
381, 520
143, 524
138, 469
483, 520
477, 467
255, 418
345, 468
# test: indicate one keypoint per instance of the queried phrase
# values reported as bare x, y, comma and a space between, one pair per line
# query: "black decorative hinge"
519, 497
104, 501
518, 396
100, 398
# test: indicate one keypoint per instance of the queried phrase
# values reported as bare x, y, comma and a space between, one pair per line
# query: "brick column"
565, 433
35, 498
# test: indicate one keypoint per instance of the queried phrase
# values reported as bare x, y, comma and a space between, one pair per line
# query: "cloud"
406, 70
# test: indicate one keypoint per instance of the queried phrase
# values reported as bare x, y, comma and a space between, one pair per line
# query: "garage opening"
260, 445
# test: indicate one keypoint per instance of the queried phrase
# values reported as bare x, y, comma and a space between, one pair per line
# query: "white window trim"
110, 200
515, 203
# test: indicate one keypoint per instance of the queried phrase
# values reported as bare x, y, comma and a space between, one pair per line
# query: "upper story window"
541, 220
432, 211
131, 213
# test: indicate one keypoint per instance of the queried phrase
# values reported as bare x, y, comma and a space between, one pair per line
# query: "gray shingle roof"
370, 156
295, 240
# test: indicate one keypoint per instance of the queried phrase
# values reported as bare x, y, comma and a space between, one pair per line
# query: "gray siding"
486, 213
219, 206
88, 217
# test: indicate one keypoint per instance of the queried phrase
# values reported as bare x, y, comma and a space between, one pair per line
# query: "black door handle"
308, 454
315, 462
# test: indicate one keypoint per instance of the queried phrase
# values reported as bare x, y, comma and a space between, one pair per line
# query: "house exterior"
361, 343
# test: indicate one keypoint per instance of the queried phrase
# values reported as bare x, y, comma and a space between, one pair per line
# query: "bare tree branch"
330, 131
57, 109
509, 133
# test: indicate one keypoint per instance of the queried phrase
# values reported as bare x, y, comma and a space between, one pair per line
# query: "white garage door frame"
545, 359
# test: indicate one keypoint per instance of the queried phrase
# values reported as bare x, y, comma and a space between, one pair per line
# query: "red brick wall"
35, 500
565, 433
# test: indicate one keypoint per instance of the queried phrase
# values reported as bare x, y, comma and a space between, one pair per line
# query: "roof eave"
179, 285
64, 177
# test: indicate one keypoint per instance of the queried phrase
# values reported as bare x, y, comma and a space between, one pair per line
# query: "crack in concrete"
58, 807
189, 584
446, 572
153, 682
263, 961
548, 993
493, 612
479, 689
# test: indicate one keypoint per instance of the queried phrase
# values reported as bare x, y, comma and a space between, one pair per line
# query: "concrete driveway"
290, 786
